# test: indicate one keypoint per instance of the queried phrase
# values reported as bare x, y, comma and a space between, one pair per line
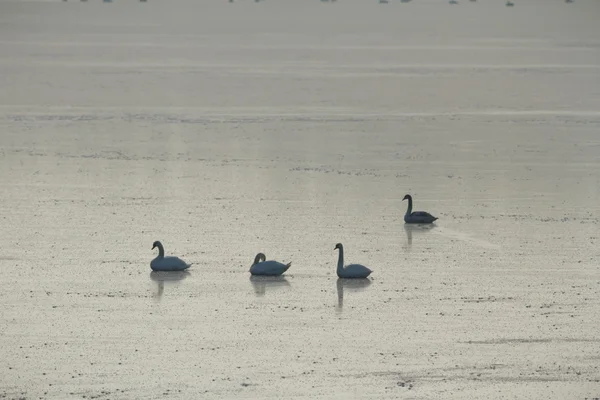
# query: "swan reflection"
172, 277
416, 229
354, 285
260, 283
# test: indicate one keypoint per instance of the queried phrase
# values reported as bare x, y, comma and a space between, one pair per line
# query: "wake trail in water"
464, 237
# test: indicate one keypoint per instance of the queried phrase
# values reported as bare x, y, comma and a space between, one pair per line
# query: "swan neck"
340, 266
258, 258
161, 251
409, 209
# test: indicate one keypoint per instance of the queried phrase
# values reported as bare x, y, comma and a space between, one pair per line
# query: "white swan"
271, 268
162, 263
416, 217
351, 270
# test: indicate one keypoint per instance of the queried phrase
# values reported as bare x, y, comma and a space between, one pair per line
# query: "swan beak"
152, 247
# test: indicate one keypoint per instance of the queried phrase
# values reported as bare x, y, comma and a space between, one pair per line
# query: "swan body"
270, 268
355, 271
162, 263
416, 217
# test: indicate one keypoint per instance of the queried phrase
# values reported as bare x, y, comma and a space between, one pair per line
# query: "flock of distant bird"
261, 266
508, 3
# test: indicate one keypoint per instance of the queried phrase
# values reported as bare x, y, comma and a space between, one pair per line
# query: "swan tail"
288, 265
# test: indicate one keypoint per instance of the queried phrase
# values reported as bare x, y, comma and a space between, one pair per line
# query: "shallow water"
225, 130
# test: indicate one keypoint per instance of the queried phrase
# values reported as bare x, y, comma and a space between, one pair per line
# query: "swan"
417, 217
351, 270
271, 268
162, 263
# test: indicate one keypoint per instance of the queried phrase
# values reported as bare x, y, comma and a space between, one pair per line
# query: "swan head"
338, 246
259, 257
407, 197
156, 244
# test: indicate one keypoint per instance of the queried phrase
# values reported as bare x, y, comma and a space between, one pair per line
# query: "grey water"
284, 127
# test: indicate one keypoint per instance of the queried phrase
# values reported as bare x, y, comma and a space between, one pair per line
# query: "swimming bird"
261, 266
351, 270
162, 263
416, 217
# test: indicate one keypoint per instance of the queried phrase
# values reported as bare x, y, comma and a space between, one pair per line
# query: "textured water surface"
284, 127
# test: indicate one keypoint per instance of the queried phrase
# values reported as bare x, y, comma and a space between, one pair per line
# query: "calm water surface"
284, 127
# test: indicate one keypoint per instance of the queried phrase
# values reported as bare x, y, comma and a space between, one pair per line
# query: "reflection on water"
417, 229
354, 285
260, 283
172, 277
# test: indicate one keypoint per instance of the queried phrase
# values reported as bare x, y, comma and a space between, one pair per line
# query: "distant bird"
453, 2
383, 1
510, 4
355, 271
270, 268
162, 263
416, 217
